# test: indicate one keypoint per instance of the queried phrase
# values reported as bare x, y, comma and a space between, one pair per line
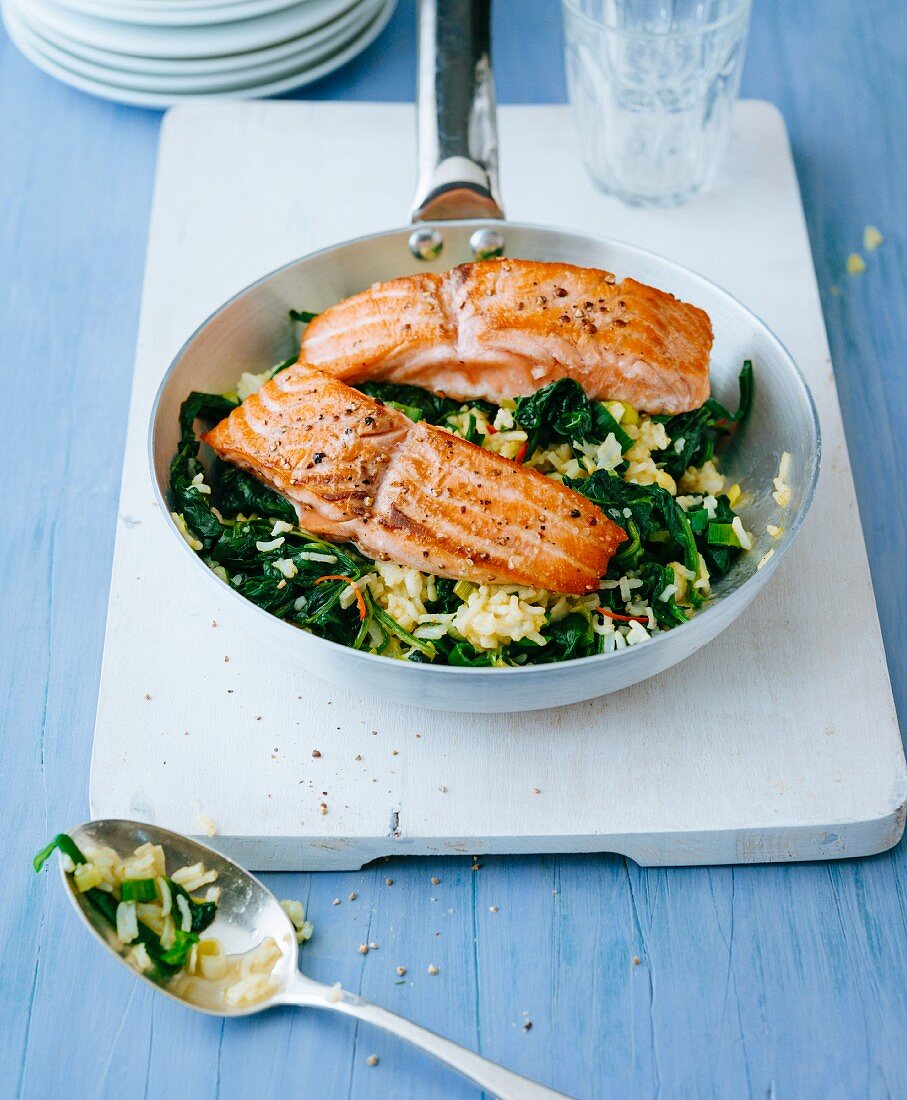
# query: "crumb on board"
442, 789
435, 881
334, 994
527, 1026
432, 969
352, 895
401, 970
316, 754
872, 238
147, 696
536, 790
336, 901
324, 808
373, 946
856, 265
492, 909
207, 826
372, 1060
636, 960
389, 882
363, 948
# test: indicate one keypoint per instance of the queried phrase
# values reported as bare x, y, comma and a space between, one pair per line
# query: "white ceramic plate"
186, 42
173, 14
203, 74
28, 43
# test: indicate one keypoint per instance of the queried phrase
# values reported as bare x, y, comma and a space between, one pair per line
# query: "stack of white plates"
155, 53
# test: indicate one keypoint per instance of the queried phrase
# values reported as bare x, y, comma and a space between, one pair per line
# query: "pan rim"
734, 603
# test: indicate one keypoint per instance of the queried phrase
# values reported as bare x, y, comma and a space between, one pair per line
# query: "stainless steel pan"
459, 216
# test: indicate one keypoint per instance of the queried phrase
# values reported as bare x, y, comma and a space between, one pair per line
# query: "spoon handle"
501, 1082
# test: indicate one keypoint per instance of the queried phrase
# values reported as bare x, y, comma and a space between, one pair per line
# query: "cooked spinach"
415, 403
694, 434
238, 491
294, 581
562, 412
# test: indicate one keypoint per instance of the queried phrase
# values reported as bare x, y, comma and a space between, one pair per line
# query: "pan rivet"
426, 243
486, 244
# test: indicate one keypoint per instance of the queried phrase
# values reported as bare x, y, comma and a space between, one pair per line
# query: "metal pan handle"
458, 142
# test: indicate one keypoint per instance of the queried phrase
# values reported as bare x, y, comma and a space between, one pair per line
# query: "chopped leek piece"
723, 534
138, 889
464, 589
699, 520
66, 845
412, 411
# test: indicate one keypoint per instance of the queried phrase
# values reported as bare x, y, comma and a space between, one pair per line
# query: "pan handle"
458, 141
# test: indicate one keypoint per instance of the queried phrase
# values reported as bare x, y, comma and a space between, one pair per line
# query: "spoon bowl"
247, 913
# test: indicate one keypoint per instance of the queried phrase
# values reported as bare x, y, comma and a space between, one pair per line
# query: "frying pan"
457, 216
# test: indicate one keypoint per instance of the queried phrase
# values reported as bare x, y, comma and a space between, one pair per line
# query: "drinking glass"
652, 83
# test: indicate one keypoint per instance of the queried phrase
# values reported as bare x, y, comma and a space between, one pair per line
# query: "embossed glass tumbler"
653, 83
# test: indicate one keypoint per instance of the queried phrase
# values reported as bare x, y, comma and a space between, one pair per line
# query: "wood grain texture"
760, 981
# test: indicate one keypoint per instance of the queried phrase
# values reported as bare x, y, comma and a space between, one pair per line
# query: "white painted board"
776, 742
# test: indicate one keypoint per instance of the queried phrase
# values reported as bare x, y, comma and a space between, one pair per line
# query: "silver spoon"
246, 914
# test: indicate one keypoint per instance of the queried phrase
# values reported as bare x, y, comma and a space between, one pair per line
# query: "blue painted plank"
783, 981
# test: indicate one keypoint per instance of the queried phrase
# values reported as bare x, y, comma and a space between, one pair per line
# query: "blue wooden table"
786, 981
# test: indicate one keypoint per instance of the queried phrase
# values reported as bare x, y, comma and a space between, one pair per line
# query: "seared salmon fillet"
360, 471
505, 328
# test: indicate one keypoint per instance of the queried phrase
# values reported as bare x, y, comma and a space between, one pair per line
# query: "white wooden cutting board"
779, 741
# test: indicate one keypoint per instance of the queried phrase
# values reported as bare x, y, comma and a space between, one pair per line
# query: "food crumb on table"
401, 970
352, 896
432, 969
363, 948
856, 265
205, 823
372, 1060
872, 238
435, 881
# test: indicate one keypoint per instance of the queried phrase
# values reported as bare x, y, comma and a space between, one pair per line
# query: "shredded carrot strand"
622, 618
521, 453
360, 600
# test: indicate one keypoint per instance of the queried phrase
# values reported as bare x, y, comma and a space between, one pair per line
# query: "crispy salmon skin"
360, 471
499, 328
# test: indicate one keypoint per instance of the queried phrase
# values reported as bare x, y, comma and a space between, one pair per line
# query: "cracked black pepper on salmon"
360, 471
